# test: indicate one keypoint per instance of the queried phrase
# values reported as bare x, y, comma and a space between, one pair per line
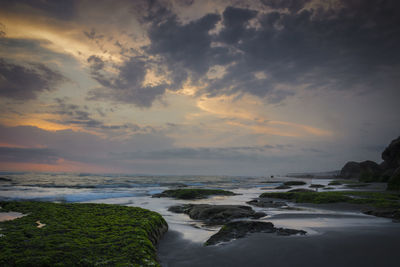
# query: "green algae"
394, 183
79, 235
373, 199
289, 183
193, 193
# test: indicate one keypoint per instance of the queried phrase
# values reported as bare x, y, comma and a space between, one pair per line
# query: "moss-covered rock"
317, 186
266, 203
357, 185
216, 214
301, 190
283, 187
376, 201
239, 229
79, 235
193, 193
289, 183
394, 183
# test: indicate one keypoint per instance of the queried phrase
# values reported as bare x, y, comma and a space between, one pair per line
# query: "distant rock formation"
369, 171
391, 157
354, 169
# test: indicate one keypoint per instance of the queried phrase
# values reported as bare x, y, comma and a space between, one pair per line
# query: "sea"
138, 191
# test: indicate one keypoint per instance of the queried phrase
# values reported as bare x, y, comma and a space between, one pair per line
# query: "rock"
265, 203
294, 183
180, 208
4, 179
391, 155
283, 187
317, 186
392, 213
216, 214
394, 181
357, 170
301, 190
193, 193
356, 185
335, 183
239, 229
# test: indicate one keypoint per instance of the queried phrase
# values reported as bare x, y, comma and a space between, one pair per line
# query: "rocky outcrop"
391, 155
369, 171
391, 213
317, 186
289, 183
216, 214
239, 229
356, 170
301, 190
193, 193
157, 232
266, 203
283, 187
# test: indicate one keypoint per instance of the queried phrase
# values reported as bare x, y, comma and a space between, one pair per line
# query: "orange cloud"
248, 112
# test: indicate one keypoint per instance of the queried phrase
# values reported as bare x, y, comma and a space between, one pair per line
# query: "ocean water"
137, 190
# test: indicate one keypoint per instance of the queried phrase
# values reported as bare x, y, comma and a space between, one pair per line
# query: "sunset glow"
163, 86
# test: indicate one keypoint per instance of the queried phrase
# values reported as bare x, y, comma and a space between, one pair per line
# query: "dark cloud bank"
26, 82
349, 46
127, 86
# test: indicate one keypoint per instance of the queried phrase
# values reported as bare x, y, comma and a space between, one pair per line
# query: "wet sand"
338, 235
354, 246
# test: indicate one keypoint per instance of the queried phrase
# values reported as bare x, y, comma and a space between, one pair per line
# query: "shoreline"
338, 234
355, 246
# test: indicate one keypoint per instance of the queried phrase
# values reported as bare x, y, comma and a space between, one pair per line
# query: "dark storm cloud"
127, 85
351, 47
291, 5
235, 22
34, 48
28, 155
186, 48
26, 82
65, 9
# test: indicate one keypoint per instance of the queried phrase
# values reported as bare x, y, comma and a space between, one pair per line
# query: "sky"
197, 87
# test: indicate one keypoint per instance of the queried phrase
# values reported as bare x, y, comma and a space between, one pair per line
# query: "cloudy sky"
197, 87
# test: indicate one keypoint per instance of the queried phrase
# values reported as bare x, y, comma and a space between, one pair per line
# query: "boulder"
283, 187
358, 170
216, 214
301, 190
394, 181
392, 213
289, 183
391, 155
239, 229
266, 203
391, 161
317, 186
193, 193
